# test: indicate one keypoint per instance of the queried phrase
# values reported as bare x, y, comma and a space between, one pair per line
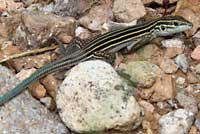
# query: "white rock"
82, 33
94, 98
181, 61
180, 80
173, 43
176, 122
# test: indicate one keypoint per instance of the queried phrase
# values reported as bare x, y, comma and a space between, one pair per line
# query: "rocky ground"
153, 90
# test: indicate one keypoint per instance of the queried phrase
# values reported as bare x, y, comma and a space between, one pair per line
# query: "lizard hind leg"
108, 57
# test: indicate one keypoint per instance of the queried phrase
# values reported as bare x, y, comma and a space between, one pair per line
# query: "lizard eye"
175, 23
162, 28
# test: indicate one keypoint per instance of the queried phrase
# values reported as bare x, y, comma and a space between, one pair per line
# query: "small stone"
190, 104
97, 16
66, 7
142, 73
150, 53
147, 106
36, 22
129, 10
196, 38
23, 74
50, 84
180, 80
176, 122
65, 38
46, 101
192, 78
146, 125
193, 130
37, 90
182, 62
197, 124
111, 25
177, 43
168, 66
174, 47
8, 48
161, 105
197, 68
162, 89
93, 97
82, 33
197, 71
146, 93
196, 53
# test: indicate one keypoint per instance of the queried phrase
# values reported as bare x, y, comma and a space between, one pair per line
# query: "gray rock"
182, 62
142, 73
190, 104
176, 122
66, 7
197, 123
93, 97
23, 114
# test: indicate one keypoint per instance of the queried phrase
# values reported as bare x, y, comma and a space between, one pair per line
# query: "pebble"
196, 53
168, 66
162, 89
147, 106
93, 97
129, 10
173, 47
180, 80
176, 122
176, 43
182, 62
97, 16
197, 71
190, 104
82, 33
151, 53
36, 22
23, 113
142, 73
197, 68
197, 124
192, 78
46, 101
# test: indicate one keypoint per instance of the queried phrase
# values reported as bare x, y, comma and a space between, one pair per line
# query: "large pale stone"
93, 97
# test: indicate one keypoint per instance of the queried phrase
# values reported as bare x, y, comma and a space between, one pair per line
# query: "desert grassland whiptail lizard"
106, 45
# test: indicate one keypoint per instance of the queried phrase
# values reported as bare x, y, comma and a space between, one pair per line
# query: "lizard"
105, 46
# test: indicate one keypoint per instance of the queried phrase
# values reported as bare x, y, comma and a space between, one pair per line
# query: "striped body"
108, 43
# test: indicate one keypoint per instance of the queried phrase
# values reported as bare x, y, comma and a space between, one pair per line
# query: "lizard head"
170, 25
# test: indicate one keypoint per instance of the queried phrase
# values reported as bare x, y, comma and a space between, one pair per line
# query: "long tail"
49, 68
